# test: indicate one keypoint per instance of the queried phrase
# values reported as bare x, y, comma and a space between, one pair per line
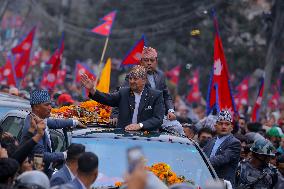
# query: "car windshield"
4, 110
184, 159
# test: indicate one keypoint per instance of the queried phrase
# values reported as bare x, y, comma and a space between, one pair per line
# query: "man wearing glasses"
224, 150
140, 107
156, 79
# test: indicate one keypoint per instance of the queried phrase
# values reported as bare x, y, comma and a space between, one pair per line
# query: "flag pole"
101, 61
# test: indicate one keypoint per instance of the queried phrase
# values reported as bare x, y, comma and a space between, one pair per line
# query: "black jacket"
150, 112
160, 82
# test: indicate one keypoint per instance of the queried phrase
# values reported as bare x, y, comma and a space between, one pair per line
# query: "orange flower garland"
87, 112
164, 173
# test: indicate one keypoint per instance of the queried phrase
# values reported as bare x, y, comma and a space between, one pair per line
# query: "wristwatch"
171, 110
141, 125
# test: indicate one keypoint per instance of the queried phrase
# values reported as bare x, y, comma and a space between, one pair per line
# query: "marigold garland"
87, 112
164, 173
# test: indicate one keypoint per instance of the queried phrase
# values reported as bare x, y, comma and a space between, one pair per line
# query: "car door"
14, 125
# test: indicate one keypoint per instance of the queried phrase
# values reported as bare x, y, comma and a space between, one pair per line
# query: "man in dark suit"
139, 107
69, 170
224, 150
156, 79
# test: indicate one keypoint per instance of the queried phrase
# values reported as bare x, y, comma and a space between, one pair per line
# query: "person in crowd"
156, 79
8, 170
207, 122
224, 150
199, 110
32, 179
145, 105
204, 135
190, 130
242, 124
257, 172
87, 171
9, 142
69, 170
280, 167
182, 114
65, 100
245, 146
138, 178
280, 149
4, 88
274, 135
24, 94
252, 133
14, 91
41, 108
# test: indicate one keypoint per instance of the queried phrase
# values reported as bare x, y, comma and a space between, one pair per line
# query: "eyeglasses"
148, 59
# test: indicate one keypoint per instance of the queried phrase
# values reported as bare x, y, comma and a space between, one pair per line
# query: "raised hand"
87, 82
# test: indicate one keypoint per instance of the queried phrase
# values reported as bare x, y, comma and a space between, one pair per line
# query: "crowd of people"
248, 154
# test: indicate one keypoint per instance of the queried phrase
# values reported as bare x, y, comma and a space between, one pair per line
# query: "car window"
4, 110
183, 159
13, 125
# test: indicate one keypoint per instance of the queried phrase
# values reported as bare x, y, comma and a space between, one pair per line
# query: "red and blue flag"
105, 27
24, 49
257, 105
219, 91
134, 55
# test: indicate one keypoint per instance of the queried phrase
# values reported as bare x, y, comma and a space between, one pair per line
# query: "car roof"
103, 132
8, 100
18, 113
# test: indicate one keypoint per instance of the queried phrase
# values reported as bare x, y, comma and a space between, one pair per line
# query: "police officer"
257, 172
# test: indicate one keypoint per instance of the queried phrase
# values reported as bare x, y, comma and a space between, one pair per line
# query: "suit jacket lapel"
66, 172
156, 79
224, 143
210, 148
144, 100
131, 102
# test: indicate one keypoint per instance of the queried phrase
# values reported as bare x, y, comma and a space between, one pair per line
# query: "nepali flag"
105, 28
241, 97
36, 58
24, 49
134, 55
219, 90
173, 74
83, 69
257, 105
61, 75
55, 60
194, 94
7, 73
273, 103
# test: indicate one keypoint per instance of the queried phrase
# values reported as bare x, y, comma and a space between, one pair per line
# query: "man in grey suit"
41, 108
69, 170
140, 107
224, 150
